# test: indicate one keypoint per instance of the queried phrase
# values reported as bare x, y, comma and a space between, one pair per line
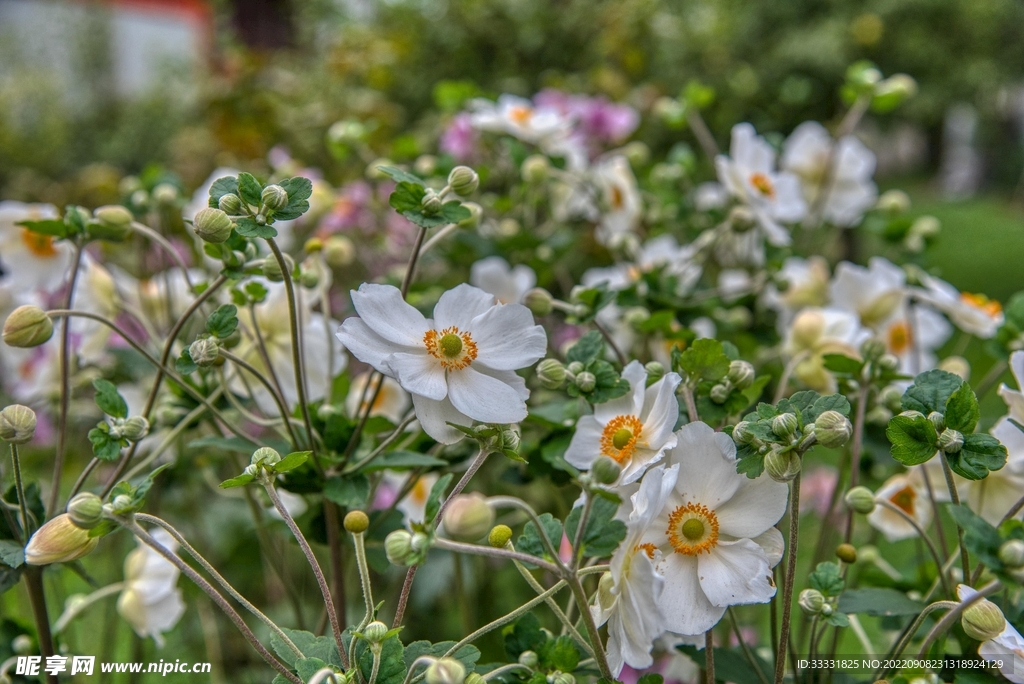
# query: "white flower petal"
707, 473
585, 445
660, 409
387, 313
631, 402
484, 398
684, 604
735, 573
773, 545
434, 417
755, 507
460, 305
418, 374
510, 378
366, 345
506, 337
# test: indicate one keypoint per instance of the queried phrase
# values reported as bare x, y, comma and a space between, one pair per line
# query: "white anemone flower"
972, 313
628, 597
413, 505
850, 191
805, 283
908, 492
874, 293
750, 175
816, 332
1004, 430
392, 401
634, 430
715, 533
519, 118
507, 283
151, 601
622, 208
1007, 648
459, 366
913, 335
31, 261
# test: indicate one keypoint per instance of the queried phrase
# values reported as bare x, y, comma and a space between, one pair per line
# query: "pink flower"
459, 139
816, 490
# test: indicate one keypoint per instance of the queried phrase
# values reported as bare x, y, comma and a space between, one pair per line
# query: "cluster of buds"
133, 428
405, 548
812, 602
740, 376
784, 442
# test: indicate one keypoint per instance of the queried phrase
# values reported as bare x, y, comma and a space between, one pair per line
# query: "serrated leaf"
311, 646
980, 537
247, 227
840, 363
392, 668
249, 188
223, 321
705, 359
240, 481
962, 411
103, 447
838, 619
602, 534
454, 212
525, 635
468, 655
351, 491
560, 654
828, 579
109, 399
407, 196
979, 454
878, 601
434, 498
930, 391
291, 461
831, 402
749, 462
912, 438
586, 349
11, 553
228, 185
184, 363
530, 542
400, 176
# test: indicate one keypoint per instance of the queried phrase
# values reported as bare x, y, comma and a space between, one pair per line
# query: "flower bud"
538, 301
559, 677
22, 644
463, 181
551, 374
272, 268
59, 541
475, 678
113, 220
586, 381
252, 470
121, 503
811, 601
983, 620
17, 424
230, 204
860, 499
446, 671
165, 193
785, 424
468, 517
27, 326
957, 365
274, 197
431, 203
893, 201
85, 510
720, 393
637, 153
741, 374
212, 225
265, 456
832, 429
356, 522
1011, 553
938, 420
742, 219
509, 439
535, 168
847, 553
204, 352
339, 251
476, 212
889, 362
781, 466
375, 632
528, 658
605, 470
575, 368
499, 536
872, 348
951, 441
655, 372
741, 433
398, 547
135, 429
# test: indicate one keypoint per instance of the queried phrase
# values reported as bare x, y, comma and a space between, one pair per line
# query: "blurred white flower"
29, 260
519, 118
507, 283
392, 401
973, 313
709, 196
850, 191
913, 335
295, 504
874, 293
151, 601
413, 505
620, 199
1004, 430
806, 283
908, 493
816, 332
460, 366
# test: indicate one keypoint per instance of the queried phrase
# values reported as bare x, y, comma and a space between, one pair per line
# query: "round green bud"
893, 201
1011, 553
356, 522
938, 420
274, 197
230, 204
463, 180
265, 456
535, 168
509, 439
559, 677
826, 610
586, 381
888, 362
860, 499
375, 632
17, 424
252, 470
872, 348
272, 268
135, 429
551, 373
476, 213
983, 620
951, 441
204, 352
121, 503
475, 678
339, 251
742, 219
22, 644
425, 165
538, 301
720, 393
468, 517
431, 203
637, 153
655, 371
605, 470
398, 547
575, 368
781, 466
832, 429
499, 536
114, 221
27, 326
957, 365
741, 433
528, 658
165, 193
446, 671
741, 374
85, 510
59, 541
811, 601
309, 278
785, 424
212, 225
847, 553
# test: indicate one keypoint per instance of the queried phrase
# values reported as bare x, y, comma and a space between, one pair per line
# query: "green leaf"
878, 601
838, 619
930, 391
749, 462
560, 654
240, 481
109, 399
832, 402
291, 461
587, 348
249, 189
913, 439
828, 579
980, 454
705, 359
962, 411
980, 537
299, 190
407, 196
468, 655
608, 384
11, 553
454, 212
402, 460
651, 678
228, 185
51, 227
400, 176
311, 646
530, 542
103, 447
434, 498
139, 492
602, 534
731, 665
247, 227
184, 363
392, 663
223, 321
306, 668
348, 492
525, 635
840, 363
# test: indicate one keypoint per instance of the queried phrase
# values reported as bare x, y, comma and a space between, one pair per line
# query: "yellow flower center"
618, 198
980, 301
39, 245
520, 115
692, 529
618, 440
904, 500
452, 348
763, 184
647, 548
900, 338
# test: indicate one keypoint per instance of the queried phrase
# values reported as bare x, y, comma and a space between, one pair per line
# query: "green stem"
285, 416
709, 655
954, 496
481, 550
364, 577
920, 531
376, 665
908, 634
588, 622
577, 542
79, 606
553, 605
37, 600
514, 502
26, 522
787, 591
747, 653
949, 618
